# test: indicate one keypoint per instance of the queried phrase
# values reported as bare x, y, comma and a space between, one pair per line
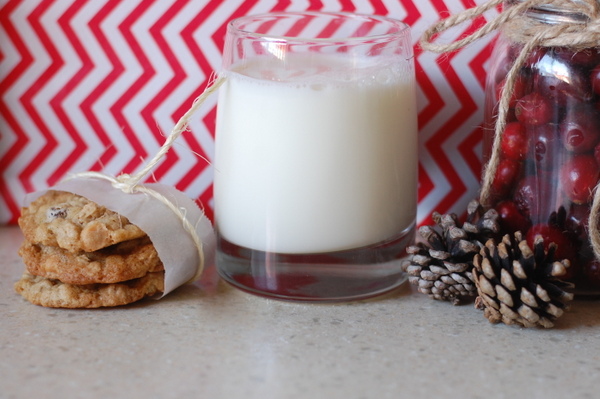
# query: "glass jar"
549, 154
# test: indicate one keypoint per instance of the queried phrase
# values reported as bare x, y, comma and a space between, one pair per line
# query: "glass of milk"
315, 188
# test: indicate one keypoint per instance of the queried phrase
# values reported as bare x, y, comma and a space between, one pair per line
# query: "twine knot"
125, 182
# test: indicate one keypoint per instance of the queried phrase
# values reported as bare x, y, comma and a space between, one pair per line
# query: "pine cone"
442, 270
518, 285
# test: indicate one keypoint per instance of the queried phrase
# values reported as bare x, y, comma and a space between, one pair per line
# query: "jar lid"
552, 14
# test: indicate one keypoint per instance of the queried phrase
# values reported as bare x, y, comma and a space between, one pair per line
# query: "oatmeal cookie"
74, 223
119, 262
53, 293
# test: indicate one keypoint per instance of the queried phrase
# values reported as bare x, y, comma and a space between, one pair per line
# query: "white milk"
319, 161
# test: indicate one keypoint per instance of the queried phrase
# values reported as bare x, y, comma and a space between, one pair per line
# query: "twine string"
130, 184
519, 27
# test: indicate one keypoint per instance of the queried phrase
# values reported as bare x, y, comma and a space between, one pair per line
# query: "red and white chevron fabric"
97, 84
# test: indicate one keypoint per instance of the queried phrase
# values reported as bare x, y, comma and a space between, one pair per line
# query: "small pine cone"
434, 276
441, 267
519, 285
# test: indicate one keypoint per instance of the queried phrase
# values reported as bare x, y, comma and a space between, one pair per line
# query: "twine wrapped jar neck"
559, 23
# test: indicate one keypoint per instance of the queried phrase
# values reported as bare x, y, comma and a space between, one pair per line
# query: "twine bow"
520, 27
130, 184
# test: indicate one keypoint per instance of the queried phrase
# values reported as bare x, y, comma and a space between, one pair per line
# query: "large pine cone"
519, 285
441, 267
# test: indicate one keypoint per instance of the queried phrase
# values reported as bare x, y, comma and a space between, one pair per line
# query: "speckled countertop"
208, 340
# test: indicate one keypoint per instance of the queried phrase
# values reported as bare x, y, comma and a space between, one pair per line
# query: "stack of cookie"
79, 254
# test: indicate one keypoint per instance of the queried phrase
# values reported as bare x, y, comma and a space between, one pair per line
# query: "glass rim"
401, 27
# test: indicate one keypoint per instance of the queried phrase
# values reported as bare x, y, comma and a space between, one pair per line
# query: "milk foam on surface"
314, 159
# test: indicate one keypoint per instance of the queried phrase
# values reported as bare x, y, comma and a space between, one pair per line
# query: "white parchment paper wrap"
175, 246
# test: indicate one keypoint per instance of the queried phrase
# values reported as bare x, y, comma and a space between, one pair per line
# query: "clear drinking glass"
316, 155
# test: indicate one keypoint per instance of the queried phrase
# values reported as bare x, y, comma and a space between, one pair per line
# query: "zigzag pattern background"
96, 85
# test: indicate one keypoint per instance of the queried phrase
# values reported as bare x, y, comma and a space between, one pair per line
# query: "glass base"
326, 277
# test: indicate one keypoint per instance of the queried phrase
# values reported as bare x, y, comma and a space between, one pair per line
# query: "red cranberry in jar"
506, 176
514, 141
511, 217
545, 145
595, 79
580, 129
560, 80
578, 177
535, 196
534, 109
